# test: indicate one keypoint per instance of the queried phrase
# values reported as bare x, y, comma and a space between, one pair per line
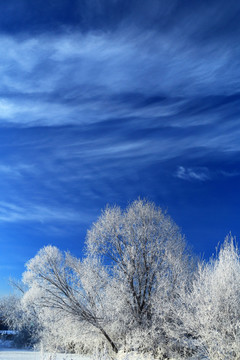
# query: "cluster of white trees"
137, 288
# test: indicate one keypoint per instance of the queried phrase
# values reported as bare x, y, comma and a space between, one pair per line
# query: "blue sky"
105, 101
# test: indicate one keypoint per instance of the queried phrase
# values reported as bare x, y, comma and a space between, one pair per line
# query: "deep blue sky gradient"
103, 101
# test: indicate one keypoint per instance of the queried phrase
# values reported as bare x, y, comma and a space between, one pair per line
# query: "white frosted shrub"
213, 316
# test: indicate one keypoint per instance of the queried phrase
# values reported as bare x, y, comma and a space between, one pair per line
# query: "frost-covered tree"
147, 256
64, 333
24, 320
75, 288
135, 266
169, 303
213, 307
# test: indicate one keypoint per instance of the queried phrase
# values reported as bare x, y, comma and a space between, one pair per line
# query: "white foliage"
213, 315
20, 318
72, 287
126, 294
141, 244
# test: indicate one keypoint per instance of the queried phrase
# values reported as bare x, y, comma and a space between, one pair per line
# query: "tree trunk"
115, 349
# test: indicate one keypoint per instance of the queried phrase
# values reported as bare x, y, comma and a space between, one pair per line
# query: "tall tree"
130, 254
147, 256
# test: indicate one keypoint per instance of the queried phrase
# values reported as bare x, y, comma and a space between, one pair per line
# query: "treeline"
138, 288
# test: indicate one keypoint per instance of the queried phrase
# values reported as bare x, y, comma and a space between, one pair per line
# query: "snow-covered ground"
13, 354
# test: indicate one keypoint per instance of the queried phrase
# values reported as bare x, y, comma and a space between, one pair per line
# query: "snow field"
10, 354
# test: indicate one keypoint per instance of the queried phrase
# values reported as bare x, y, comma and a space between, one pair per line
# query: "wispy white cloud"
13, 212
75, 78
191, 174
92, 80
16, 170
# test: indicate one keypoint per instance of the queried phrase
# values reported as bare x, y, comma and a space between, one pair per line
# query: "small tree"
213, 315
23, 320
75, 288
